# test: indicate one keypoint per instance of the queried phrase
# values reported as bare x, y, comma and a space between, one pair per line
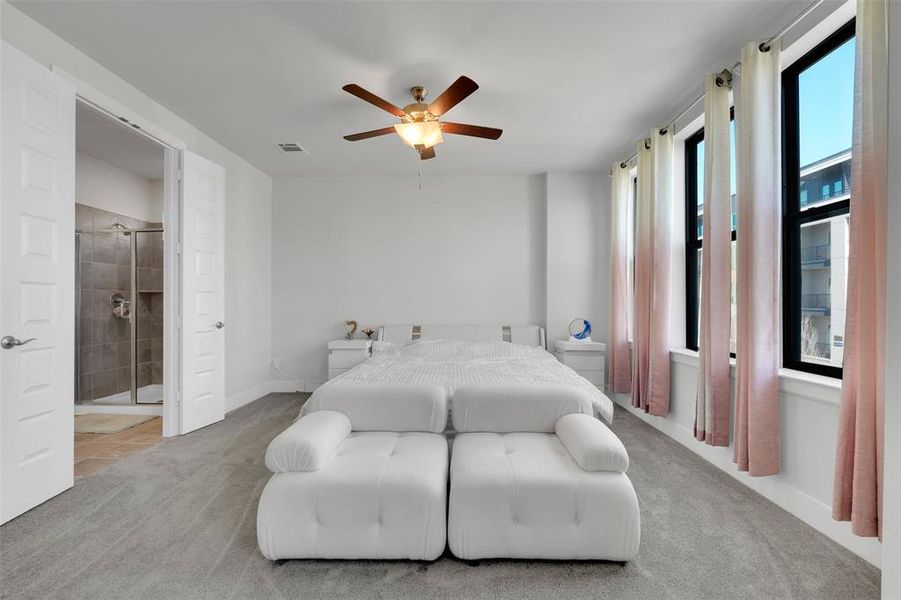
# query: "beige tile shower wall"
149, 259
105, 340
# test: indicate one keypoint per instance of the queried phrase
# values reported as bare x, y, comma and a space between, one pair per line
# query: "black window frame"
692, 242
793, 218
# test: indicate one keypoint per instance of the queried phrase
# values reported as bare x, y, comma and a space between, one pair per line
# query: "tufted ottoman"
562, 494
338, 492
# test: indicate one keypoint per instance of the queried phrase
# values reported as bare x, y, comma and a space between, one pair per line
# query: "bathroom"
119, 299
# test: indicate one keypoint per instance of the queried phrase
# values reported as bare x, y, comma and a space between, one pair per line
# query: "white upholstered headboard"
527, 335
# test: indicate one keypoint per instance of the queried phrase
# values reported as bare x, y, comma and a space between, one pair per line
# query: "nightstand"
585, 358
344, 354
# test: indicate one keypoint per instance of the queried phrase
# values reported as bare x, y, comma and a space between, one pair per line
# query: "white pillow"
308, 444
508, 408
384, 406
386, 348
591, 444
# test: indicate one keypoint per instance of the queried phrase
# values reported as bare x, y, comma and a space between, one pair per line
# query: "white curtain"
758, 148
653, 256
857, 495
620, 377
712, 403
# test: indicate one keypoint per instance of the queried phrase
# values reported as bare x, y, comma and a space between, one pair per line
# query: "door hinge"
178, 322
180, 175
178, 248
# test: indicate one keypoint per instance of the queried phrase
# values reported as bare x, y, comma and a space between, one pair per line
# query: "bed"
471, 356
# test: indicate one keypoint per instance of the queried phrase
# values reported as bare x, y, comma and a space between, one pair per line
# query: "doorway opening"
120, 295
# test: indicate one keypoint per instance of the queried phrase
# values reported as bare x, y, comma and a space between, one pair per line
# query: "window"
818, 100
694, 233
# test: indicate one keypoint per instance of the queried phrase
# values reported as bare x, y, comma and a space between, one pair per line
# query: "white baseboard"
310, 386
285, 386
808, 509
247, 396
288, 386
112, 409
274, 386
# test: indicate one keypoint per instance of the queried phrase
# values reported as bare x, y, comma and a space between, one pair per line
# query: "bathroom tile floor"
94, 451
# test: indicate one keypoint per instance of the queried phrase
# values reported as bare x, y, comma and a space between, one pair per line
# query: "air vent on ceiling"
292, 147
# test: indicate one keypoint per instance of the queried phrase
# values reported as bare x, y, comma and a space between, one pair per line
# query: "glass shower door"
103, 328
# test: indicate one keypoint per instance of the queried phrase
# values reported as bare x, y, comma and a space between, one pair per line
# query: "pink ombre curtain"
857, 495
712, 402
651, 344
618, 346
643, 269
758, 147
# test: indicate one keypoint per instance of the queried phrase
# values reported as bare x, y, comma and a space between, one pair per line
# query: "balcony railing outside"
824, 196
816, 254
816, 302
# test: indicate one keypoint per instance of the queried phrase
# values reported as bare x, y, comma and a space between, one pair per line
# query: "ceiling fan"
419, 127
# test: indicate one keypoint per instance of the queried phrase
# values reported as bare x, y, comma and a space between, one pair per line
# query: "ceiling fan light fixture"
422, 134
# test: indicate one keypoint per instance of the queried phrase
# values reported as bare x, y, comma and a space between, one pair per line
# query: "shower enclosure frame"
132, 319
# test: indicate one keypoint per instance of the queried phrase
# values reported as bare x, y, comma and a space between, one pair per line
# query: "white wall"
891, 530
464, 249
104, 185
247, 197
578, 250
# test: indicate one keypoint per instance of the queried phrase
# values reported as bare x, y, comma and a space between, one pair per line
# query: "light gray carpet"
179, 521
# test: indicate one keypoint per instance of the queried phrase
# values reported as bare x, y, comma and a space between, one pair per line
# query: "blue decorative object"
580, 336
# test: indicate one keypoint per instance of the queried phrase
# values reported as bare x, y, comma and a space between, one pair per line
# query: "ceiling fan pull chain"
420, 180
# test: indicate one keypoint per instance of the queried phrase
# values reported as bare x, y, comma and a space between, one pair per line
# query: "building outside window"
818, 97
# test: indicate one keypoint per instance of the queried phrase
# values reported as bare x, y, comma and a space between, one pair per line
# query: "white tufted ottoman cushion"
383, 495
521, 495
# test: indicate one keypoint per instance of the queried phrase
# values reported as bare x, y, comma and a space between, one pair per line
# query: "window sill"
819, 388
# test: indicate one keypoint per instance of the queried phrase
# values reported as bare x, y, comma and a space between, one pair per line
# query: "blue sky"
826, 102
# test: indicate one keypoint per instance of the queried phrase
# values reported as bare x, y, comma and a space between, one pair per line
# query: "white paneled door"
37, 270
203, 293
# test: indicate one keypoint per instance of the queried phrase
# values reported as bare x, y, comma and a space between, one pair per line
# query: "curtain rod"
764, 47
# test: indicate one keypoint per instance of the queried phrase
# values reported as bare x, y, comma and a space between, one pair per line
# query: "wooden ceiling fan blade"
453, 95
369, 134
427, 153
353, 88
489, 133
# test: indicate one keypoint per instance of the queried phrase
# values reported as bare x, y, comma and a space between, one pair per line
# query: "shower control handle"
8, 342
219, 324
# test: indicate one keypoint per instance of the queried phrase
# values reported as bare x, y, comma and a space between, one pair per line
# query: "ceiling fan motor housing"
419, 93
419, 110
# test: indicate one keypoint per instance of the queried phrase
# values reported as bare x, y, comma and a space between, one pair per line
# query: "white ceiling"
104, 138
572, 84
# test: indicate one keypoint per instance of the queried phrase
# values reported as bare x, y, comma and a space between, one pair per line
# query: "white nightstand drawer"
344, 359
582, 361
332, 373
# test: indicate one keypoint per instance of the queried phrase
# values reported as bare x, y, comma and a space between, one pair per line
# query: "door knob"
8, 342
219, 324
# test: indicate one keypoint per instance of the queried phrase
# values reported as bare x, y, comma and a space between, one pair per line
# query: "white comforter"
452, 364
